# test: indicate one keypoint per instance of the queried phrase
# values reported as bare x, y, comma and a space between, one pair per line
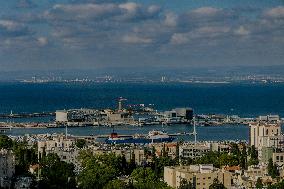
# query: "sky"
103, 34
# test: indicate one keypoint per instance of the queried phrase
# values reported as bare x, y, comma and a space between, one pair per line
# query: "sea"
245, 100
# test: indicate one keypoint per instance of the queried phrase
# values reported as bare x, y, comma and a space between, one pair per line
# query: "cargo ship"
152, 137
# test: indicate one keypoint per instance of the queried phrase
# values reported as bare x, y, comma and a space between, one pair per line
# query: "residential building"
7, 167
201, 176
263, 133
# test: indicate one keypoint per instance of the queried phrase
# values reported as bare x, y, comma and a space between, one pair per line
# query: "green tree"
56, 174
216, 185
259, 183
116, 184
143, 175
5, 142
253, 156
131, 165
145, 178
177, 158
278, 185
226, 159
98, 170
80, 143
243, 158
184, 184
24, 158
272, 169
209, 158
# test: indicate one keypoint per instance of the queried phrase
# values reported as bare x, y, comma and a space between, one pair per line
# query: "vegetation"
25, 156
5, 142
236, 157
253, 156
259, 183
184, 184
80, 143
56, 173
278, 185
102, 171
216, 185
109, 171
272, 169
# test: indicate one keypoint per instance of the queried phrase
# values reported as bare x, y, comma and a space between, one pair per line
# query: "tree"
116, 184
145, 178
143, 175
253, 156
226, 159
184, 184
272, 169
131, 165
243, 158
259, 183
216, 185
209, 158
98, 170
80, 143
24, 158
56, 174
278, 185
5, 142
177, 159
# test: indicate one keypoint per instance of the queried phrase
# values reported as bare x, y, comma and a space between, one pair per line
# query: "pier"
92, 137
26, 115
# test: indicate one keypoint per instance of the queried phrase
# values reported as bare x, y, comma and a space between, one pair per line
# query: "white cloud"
242, 31
171, 19
134, 39
9, 25
208, 11
42, 41
130, 7
179, 38
277, 12
81, 11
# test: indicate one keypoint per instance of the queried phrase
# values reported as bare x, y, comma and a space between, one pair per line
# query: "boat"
152, 137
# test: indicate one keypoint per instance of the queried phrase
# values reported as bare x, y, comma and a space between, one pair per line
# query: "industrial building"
179, 114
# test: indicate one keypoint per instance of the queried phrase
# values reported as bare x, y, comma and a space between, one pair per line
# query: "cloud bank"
94, 34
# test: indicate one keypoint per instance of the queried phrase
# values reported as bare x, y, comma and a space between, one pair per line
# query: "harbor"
225, 132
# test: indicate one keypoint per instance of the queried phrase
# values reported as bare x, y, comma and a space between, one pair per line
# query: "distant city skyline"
102, 34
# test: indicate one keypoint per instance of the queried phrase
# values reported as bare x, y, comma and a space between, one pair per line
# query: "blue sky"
95, 34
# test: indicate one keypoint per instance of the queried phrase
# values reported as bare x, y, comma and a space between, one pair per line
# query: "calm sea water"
241, 99
228, 132
246, 100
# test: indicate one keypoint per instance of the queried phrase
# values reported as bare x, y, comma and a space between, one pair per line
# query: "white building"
194, 151
64, 148
262, 132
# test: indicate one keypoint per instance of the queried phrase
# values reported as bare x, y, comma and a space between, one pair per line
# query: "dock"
26, 115
93, 137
